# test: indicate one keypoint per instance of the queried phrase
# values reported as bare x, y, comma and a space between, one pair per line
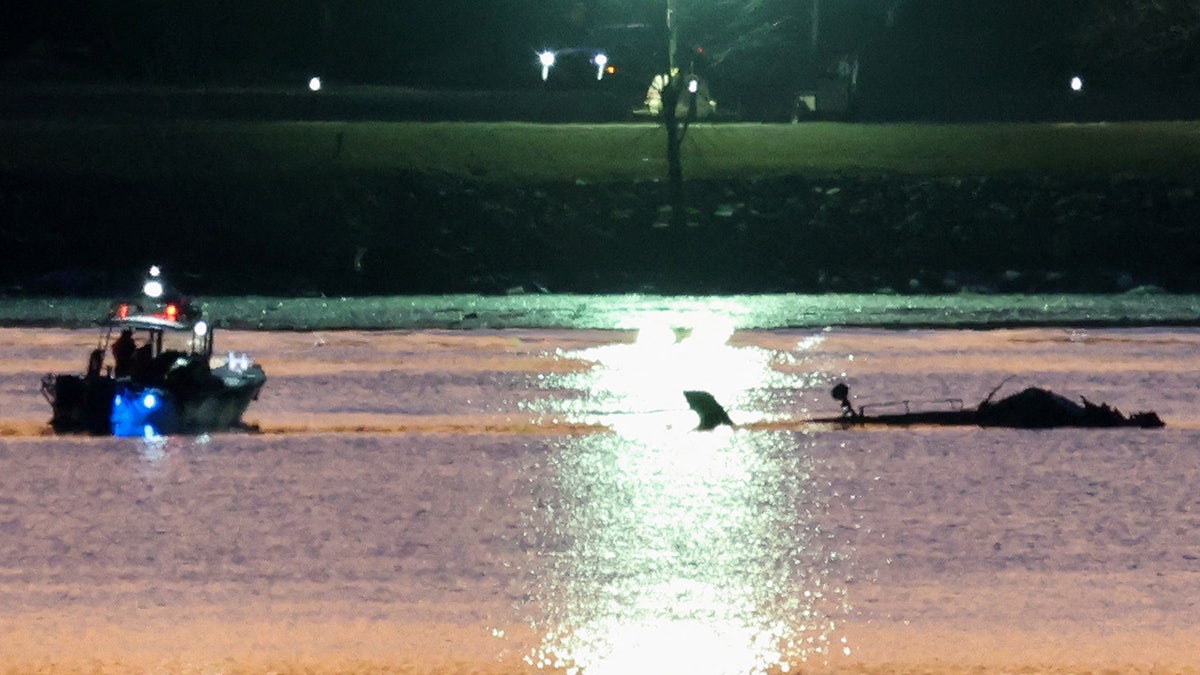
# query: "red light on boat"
172, 312
123, 312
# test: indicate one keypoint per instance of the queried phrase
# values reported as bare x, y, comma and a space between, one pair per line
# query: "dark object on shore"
1031, 408
166, 385
711, 413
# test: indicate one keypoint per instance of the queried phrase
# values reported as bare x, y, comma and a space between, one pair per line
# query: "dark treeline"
403, 233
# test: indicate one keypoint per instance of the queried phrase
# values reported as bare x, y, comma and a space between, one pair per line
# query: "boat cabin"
147, 344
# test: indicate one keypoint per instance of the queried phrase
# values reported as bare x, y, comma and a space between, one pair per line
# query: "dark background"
394, 232
917, 59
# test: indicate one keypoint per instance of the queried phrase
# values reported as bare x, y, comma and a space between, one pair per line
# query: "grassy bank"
360, 207
517, 152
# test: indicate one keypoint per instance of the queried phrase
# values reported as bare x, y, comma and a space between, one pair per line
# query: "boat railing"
926, 405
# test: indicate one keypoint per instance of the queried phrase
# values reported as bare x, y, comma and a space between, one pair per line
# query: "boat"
162, 378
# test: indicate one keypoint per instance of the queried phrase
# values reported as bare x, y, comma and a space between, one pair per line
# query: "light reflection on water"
637, 389
669, 550
706, 555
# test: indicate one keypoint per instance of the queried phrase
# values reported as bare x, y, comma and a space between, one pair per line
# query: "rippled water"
535, 498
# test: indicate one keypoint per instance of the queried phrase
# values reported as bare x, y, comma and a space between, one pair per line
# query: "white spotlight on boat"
153, 287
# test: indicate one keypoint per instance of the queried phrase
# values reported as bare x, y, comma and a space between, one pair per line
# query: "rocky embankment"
416, 233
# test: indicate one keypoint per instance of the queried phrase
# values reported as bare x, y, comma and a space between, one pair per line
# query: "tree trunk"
670, 101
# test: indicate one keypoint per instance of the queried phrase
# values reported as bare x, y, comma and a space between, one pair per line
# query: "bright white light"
1076, 83
666, 645
153, 288
155, 270
693, 85
672, 354
547, 61
314, 84
200, 329
600, 60
655, 335
239, 363
149, 401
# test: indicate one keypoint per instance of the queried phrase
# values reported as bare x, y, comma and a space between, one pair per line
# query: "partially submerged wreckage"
1030, 408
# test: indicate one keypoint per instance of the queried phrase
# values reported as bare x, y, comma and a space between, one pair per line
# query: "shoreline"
779, 311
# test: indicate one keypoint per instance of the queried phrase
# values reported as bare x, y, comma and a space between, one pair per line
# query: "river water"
469, 489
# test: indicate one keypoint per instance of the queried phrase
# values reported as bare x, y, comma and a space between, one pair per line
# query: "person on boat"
143, 360
95, 363
123, 348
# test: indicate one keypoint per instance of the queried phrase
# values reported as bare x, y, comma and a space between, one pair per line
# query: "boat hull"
107, 406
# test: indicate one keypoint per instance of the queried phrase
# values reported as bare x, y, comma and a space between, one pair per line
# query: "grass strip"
523, 152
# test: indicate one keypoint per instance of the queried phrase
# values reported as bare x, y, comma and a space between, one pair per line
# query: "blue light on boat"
141, 413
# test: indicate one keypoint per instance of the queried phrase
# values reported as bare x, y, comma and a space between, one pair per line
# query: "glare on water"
722, 559
524, 500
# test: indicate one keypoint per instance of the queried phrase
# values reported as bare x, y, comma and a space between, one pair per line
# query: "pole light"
546, 58
601, 60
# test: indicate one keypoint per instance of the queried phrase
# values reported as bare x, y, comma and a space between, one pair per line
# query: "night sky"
385, 41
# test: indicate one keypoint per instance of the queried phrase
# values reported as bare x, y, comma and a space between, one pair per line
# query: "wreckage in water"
1030, 408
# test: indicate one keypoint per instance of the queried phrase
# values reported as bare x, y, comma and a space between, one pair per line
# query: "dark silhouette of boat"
162, 380
1030, 408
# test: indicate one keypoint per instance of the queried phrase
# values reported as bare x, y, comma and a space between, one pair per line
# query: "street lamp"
546, 58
